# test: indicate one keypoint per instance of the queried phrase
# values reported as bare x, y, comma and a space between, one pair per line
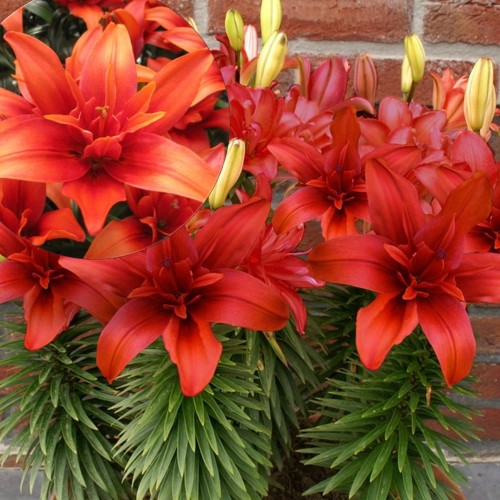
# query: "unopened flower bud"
270, 18
235, 29
406, 78
271, 59
480, 97
231, 170
365, 77
415, 53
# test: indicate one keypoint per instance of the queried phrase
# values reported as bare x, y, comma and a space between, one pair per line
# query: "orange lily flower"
93, 131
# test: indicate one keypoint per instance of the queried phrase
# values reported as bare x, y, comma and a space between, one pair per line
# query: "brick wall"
455, 34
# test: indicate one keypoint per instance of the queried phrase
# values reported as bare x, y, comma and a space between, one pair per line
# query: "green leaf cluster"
56, 414
374, 429
208, 446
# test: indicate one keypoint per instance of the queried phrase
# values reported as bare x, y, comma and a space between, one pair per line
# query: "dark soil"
295, 478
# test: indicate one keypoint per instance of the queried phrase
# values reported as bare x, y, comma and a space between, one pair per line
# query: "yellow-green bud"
271, 59
235, 29
480, 97
270, 18
231, 170
406, 78
415, 53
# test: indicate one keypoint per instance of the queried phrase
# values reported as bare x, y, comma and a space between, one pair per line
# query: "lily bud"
415, 53
480, 97
365, 77
231, 170
270, 18
193, 24
271, 59
235, 29
406, 77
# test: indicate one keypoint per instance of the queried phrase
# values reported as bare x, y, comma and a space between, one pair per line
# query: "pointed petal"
231, 233
466, 206
358, 260
12, 104
35, 149
445, 323
45, 317
57, 224
241, 300
175, 92
94, 300
305, 204
91, 14
470, 148
155, 163
393, 202
109, 73
478, 276
119, 238
381, 325
133, 328
15, 281
95, 194
43, 73
300, 159
196, 352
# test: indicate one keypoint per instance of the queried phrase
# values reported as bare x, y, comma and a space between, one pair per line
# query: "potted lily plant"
210, 278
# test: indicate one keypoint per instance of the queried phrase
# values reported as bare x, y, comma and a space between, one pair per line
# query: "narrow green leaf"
407, 480
55, 387
402, 446
38, 408
199, 408
383, 459
182, 448
68, 430
189, 422
67, 402
91, 462
74, 465
392, 424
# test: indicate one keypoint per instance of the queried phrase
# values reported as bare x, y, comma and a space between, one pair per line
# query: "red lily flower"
273, 261
255, 116
331, 184
186, 287
94, 132
417, 267
51, 294
21, 210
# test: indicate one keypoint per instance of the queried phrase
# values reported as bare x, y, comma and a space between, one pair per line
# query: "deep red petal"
133, 328
381, 325
305, 204
231, 233
241, 300
478, 276
120, 238
394, 205
15, 281
57, 224
359, 260
445, 323
46, 317
196, 352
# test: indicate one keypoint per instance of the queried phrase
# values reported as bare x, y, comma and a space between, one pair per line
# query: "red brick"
488, 422
459, 21
378, 20
488, 380
486, 325
183, 7
7, 7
